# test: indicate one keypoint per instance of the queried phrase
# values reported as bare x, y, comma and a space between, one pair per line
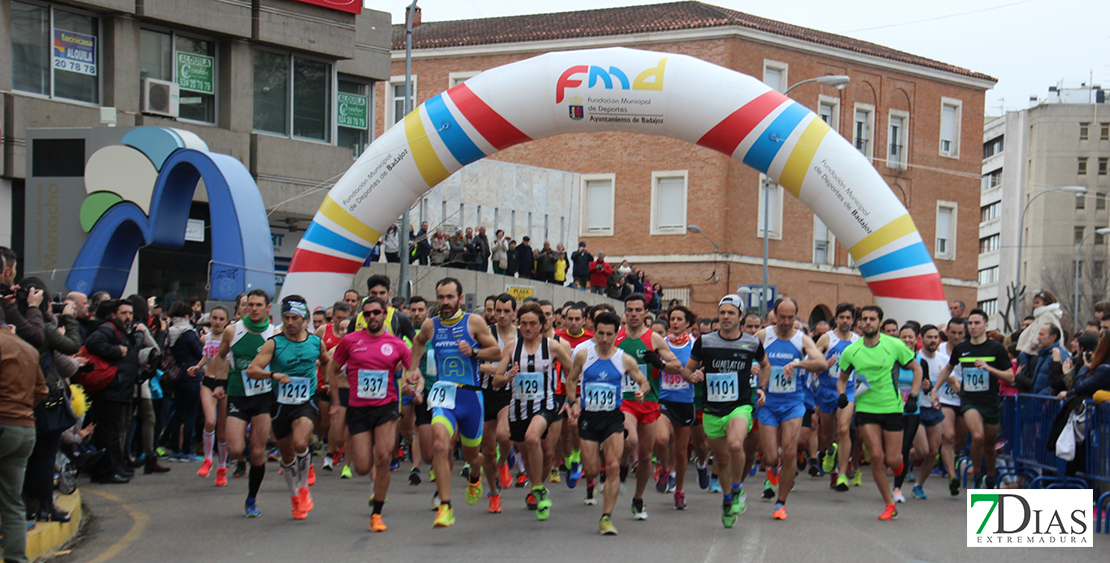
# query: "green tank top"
636, 348
244, 347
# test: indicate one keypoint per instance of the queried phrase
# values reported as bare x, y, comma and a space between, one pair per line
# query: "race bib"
629, 385
948, 393
782, 383
862, 385
442, 395
722, 387
600, 397
976, 380
252, 387
674, 382
753, 381
834, 371
297, 391
372, 384
528, 386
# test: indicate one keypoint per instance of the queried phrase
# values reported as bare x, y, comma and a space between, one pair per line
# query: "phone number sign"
74, 52
194, 72
352, 110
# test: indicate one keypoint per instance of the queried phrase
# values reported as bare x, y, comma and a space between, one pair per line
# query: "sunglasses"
373, 313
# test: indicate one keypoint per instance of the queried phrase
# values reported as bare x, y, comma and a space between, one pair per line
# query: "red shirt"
574, 341
600, 278
361, 351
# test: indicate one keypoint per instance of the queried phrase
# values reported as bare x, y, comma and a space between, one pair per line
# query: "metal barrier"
1098, 459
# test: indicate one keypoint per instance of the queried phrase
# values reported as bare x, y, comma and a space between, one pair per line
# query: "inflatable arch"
624, 90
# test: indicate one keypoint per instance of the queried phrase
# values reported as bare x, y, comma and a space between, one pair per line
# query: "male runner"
249, 400
459, 341
780, 418
495, 430
932, 361
602, 369
352, 299
330, 334
953, 430
370, 358
651, 353
727, 356
555, 429
983, 363
416, 416
832, 419
879, 409
529, 365
676, 403
573, 333
290, 359
751, 325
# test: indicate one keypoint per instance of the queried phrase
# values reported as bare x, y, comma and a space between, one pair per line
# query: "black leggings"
38, 481
912, 421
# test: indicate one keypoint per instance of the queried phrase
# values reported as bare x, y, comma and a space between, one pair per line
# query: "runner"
927, 443
331, 334
249, 400
459, 341
603, 369
213, 395
879, 408
983, 363
529, 365
676, 403
555, 430
831, 418
652, 354
573, 333
352, 299
290, 360
416, 416
721, 362
780, 418
370, 358
908, 335
495, 430
752, 325
953, 430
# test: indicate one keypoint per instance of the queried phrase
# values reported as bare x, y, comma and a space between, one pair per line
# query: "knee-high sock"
223, 455
289, 472
209, 440
257, 472
302, 462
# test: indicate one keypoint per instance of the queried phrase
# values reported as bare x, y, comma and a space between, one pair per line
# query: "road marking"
749, 552
140, 520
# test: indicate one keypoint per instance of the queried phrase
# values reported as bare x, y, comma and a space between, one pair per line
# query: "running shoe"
306, 499
739, 502
436, 503
728, 515
898, 496
327, 463
814, 471
221, 476
431, 475
495, 503
275, 455
703, 476
842, 483
954, 486
801, 462
889, 514
672, 484
376, 523
780, 511
395, 464
543, 505
511, 462
605, 526
590, 500
554, 478
978, 482
444, 517
530, 500
714, 485
661, 482
311, 475
298, 513
473, 492
919, 493
414, 476
252, 509
574, 474
768, 491
829, 461
857, 479
205, 468
465, 471
346, 473
521, 479
773, 477
639, 514
504, 477
988, 482
240, 469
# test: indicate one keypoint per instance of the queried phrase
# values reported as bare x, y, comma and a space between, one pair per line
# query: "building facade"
917, 120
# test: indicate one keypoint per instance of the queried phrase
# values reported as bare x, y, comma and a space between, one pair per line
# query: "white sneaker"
327, 463
435, 501
898, 497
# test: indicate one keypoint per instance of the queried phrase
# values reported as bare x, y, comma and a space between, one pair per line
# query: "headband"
295, 307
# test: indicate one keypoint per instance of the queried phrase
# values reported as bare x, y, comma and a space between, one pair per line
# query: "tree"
1058, 277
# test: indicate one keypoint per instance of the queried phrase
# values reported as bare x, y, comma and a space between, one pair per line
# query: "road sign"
754, 292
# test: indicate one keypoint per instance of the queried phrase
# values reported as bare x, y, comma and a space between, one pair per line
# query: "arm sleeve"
845, 361
1002, 358
65, 365
27, 326
695, 352
954, 359
760, 353
98, 344
65, 343
1097, 380
404, 326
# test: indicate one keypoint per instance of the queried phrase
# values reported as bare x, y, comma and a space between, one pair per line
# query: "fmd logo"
649, 79
1029, 518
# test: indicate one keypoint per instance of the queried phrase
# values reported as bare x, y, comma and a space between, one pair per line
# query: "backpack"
171, 371
97, 372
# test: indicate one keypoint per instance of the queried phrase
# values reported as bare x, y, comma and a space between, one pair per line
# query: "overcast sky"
1027, 45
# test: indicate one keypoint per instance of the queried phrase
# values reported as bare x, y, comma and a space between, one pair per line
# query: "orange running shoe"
780, 511
495, 504
773, 476
504, 476
221, 476
306, 499
205, 468
376, 523
311, 475
298, 513
889, 514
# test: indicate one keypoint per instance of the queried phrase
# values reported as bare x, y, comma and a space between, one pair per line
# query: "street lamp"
1075, 315
1018, 290
410, 14
716, 249
839, 81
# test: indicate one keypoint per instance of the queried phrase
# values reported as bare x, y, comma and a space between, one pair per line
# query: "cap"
734, 300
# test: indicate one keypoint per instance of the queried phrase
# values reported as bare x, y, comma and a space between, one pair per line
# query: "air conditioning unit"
161, 97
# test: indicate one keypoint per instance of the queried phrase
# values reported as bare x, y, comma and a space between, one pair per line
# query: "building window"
992, 180
1103, 163
989, 306
1100, 201
1078, 233
829, 110
55, 53
896, 136
990, 212
1082, 166
1104, 131
1099, 239
864, 125
946, 230
992, 147
597, 204
188, 61
1084, 129
769, 191
988, 244
353, 115
950, 111
396, 98
824, 252
988, 276
775, 75
292, 95
453, 79
668, 202
1080, 202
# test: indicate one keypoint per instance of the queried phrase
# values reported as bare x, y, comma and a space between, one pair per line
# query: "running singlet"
931, 370
828, 378
370, 362
876, 372
636, 347
601, 381
574, 341
330, 342
728, 370
534, 385
672, 387
979, 387
298, 361
905, 385
945, 394
244, 347
451, 365
781, 388
487, 379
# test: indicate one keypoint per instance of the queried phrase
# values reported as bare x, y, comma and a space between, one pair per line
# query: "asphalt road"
178, 517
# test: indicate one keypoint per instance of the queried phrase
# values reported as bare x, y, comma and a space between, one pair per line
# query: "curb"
49, 537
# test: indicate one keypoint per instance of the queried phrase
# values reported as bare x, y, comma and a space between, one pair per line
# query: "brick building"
919, 120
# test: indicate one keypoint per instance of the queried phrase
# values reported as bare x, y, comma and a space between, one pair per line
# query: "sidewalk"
49, 537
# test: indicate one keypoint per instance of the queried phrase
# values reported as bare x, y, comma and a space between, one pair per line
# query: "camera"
57, 308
